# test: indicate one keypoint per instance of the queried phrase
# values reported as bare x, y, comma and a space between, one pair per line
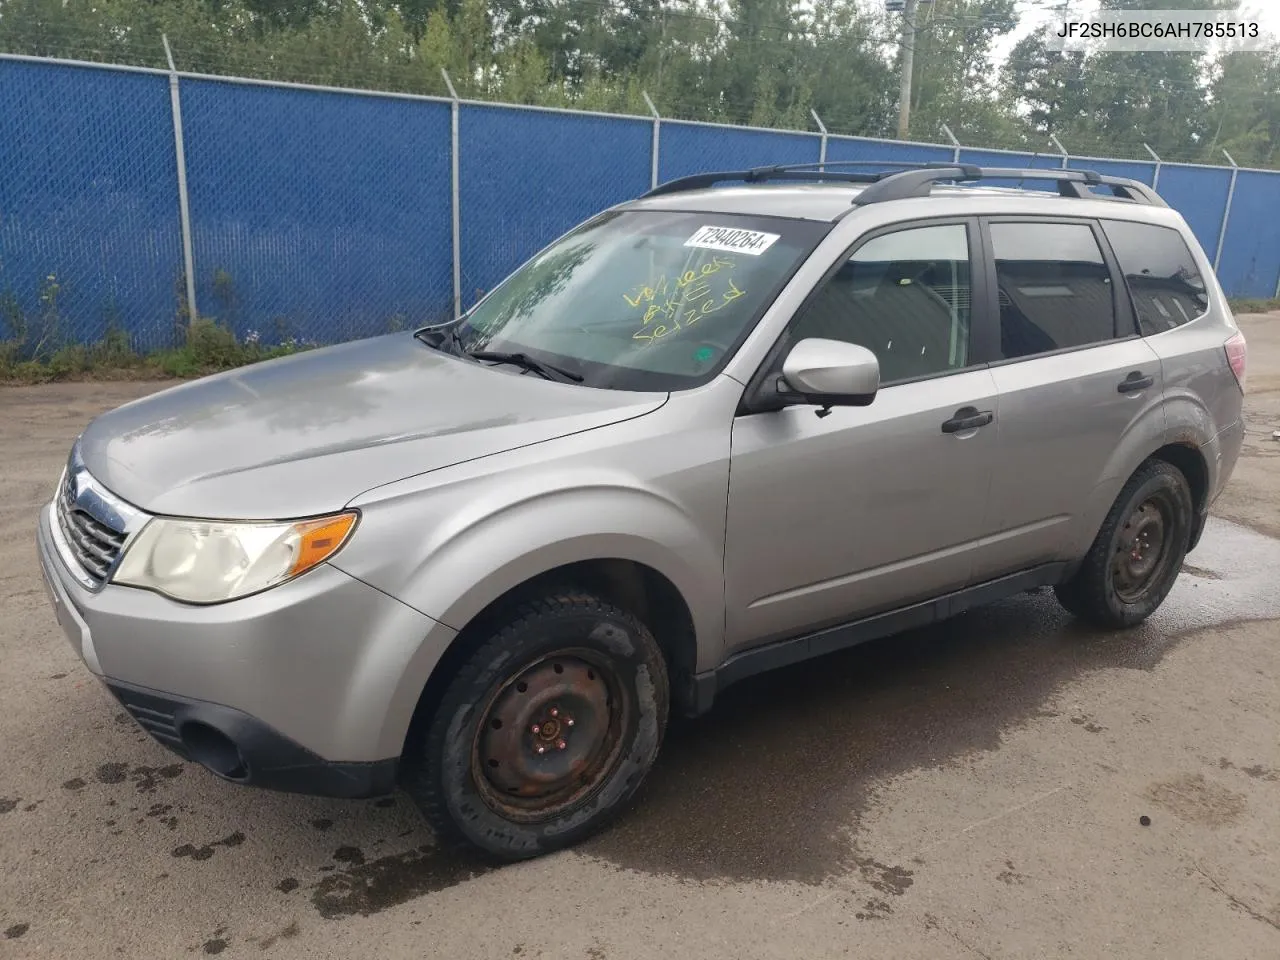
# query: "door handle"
967, 418
1135, 381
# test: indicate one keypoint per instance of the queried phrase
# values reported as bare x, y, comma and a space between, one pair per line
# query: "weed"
208, 347
1254, 306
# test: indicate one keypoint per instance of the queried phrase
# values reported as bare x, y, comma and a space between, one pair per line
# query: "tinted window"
1054, 287
904, 296
640, 300
1167, 289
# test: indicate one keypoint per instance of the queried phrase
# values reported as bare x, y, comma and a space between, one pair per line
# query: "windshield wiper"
544, 370
448, 341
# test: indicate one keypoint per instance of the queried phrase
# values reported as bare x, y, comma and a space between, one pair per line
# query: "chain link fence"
321, 215
90, 238
527, 175
317, 216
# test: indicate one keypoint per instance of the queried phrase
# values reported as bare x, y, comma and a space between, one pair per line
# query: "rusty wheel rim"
1142, 549
550, 735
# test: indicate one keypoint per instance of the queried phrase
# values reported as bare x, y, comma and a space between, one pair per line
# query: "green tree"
1244, 110
1047, 87
954, 67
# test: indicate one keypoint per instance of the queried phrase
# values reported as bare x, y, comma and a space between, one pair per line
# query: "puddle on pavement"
370, 886
1234, 575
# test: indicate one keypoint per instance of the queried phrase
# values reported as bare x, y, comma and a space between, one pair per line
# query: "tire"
1138, 553
591, 679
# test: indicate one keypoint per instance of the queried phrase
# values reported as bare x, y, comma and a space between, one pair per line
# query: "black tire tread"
1085, 595
422, 781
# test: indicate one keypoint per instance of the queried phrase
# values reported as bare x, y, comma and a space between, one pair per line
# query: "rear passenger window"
1163, 280
905, 297
1054, 288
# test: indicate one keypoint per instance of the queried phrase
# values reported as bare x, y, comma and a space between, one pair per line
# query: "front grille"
94, 544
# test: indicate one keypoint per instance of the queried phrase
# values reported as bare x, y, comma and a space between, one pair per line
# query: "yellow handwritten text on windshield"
670, 304
666, 286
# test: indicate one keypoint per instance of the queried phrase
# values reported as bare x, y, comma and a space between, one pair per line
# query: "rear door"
1074, 378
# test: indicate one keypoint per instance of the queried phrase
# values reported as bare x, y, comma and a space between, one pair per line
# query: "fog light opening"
214, 750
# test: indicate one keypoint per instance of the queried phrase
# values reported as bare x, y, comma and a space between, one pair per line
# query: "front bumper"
243, 749
314, 681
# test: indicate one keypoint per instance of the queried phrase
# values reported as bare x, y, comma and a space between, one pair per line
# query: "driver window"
903, 295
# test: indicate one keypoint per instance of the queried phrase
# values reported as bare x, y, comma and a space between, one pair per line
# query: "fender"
484, 552
1188, 421
1172, 421
476, 536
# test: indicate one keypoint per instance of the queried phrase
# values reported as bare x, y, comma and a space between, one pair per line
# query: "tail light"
1237, 352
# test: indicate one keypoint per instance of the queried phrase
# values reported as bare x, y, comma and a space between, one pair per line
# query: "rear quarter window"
1163, 280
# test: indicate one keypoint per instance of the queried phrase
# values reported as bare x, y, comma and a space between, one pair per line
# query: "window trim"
1191, 258
980, 298
1121, 305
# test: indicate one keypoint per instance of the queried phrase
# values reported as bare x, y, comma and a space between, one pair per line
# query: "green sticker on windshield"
703, 354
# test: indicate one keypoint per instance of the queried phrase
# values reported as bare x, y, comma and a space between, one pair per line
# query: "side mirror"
830, 373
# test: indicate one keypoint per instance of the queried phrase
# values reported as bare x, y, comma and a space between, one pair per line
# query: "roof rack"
1071, 183
917, 179
699, 181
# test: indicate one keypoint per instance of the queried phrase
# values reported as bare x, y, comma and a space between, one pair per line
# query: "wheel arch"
1182, 453
637, 587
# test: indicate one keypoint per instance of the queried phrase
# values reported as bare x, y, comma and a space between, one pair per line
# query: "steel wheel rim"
550, 735
1142, 549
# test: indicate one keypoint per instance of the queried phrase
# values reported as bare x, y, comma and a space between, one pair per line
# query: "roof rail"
916, 179
794, 172
1071, 183
699, 181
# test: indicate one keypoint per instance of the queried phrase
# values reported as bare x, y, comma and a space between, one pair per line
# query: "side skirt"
783, 653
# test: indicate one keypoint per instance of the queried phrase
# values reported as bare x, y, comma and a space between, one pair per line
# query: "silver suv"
709, 432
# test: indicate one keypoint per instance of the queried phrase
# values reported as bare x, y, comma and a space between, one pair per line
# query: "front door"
868, 508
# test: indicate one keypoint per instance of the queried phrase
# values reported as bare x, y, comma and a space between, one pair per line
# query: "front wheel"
1138, 553
545, 731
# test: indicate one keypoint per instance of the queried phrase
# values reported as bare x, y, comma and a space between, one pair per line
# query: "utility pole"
908, 63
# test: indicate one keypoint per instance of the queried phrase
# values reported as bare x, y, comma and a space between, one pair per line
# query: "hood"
303, 435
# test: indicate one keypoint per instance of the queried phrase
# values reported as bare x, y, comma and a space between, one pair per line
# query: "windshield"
641, 300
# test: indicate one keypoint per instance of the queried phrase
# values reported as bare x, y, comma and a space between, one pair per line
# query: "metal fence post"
1053, 138
822, 144
657, 141
1155, 180
955, 153
184, 207
455, 194
1226, 213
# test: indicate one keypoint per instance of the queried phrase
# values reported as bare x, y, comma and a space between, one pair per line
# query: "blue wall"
686, 148
317, 215
88, 196
528, 176
327, 216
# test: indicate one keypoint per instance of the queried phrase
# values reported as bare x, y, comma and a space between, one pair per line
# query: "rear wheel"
545, 731
1138, 553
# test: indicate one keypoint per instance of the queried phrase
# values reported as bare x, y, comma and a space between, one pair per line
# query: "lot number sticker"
751, 242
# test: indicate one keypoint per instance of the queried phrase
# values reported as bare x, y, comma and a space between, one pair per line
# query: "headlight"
207, 561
